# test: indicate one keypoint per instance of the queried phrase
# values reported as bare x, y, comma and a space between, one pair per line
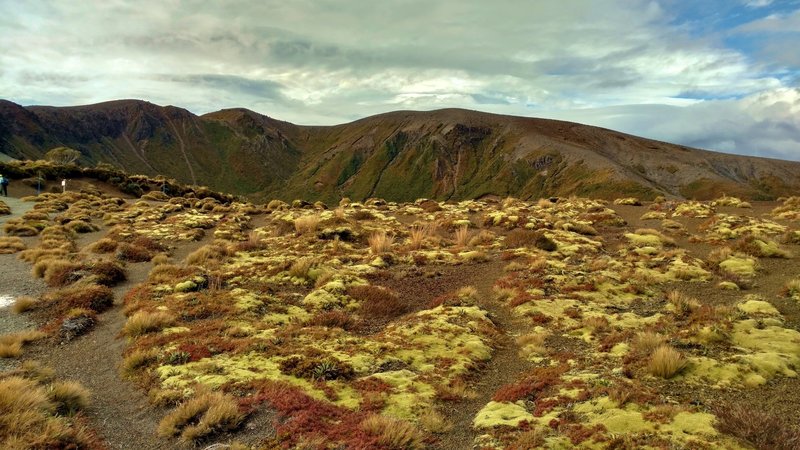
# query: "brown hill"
446, 154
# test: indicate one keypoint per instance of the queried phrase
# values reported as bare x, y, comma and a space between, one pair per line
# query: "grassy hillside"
400, 156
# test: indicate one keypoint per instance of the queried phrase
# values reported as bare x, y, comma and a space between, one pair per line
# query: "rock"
75, 326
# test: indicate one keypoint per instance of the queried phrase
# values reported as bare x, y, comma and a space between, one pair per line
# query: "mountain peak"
401, 155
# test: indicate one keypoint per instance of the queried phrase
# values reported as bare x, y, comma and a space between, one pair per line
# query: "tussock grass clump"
201, 416
95, 297
645, 343
133, 253
434, 422
107, 273
19, 228
10, 245
419, 234
4, 208
307, 224
666, 362
206, 255
792, 289
682, 304
68, 396
301, 267
35, 371
11, 344
80, 226
168, 273
378, 302
380, 243
761, 429
136, 360
57, 272
28, 420
392, 433
143, 322
520, 237
24, 303
718, 255
10, 349
333, 319
104, 245
461, 236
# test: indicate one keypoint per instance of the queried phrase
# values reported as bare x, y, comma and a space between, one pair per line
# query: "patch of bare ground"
119, 411
505, 365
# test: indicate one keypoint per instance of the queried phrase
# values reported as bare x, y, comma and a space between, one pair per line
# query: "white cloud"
325, 61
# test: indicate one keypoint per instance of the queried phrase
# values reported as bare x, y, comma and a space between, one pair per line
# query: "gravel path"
119, 411
15, 281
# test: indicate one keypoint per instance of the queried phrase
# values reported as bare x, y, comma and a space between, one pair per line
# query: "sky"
717, 74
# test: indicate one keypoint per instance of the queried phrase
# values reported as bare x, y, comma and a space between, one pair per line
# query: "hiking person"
4, 185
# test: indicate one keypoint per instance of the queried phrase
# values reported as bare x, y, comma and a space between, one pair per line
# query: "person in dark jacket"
4, 186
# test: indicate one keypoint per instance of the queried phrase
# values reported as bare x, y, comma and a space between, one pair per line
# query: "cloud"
764, 124
325, 61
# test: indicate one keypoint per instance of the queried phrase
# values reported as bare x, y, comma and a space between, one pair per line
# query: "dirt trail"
15, 280
504, 367
119, 411
18, 208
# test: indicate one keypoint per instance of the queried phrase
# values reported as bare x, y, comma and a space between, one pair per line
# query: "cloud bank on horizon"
718, 74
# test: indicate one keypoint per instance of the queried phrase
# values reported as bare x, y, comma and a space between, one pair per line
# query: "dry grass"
28, 417
458, 389
392, 433
300, 267
462, 236
433, 422
645, 343
682, 305
307, 224
104, 245
144, 322
532, 343
201, 416
718, 255
24, 303
205, 255
10, 245
57, 272
377, 302
666, 362
10, 349
380, 243
12, 228
133, 253
11, 344
416, 237
760, 429
68, 396
136, 360
529, 439
160, 259
792, 288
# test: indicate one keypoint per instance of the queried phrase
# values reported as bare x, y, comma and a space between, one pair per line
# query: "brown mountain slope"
445, 154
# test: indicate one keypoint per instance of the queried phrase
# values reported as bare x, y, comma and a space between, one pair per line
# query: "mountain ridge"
447, 154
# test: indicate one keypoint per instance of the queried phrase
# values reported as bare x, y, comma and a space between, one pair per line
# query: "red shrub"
535, 382
378, 302
333, 319
133, 253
